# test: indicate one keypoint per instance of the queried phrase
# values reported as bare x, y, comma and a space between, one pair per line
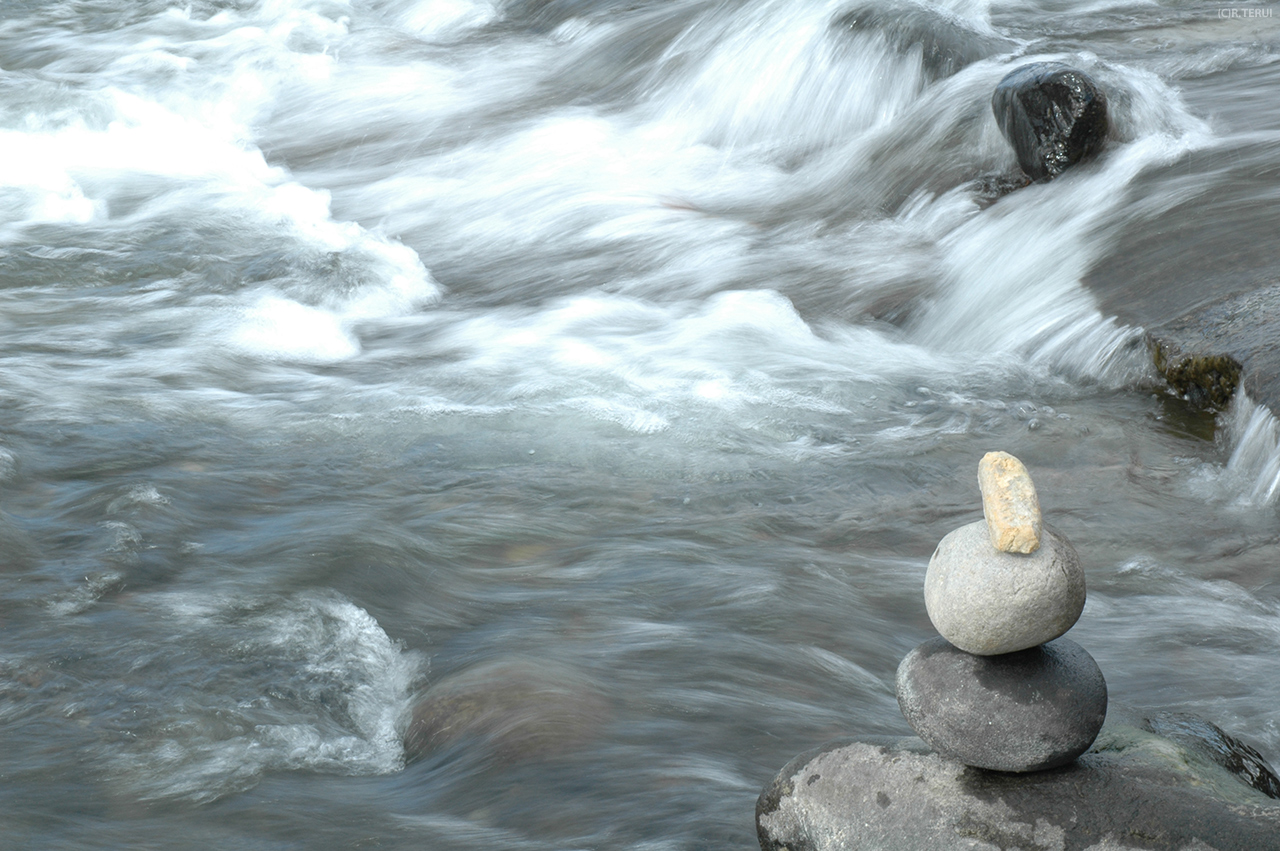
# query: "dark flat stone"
1024, 711
1134, 789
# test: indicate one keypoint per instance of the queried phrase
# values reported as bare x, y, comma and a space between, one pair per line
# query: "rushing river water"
618, 362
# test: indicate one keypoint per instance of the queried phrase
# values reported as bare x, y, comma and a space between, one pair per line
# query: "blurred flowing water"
632, 353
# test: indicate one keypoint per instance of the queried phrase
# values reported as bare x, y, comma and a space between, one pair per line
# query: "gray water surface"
622, 362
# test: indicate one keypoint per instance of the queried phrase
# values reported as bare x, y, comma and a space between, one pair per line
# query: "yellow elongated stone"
1009, 503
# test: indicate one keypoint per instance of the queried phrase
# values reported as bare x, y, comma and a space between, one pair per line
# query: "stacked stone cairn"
999, 689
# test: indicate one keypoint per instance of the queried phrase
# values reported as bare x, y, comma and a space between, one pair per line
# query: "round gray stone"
1024, 711
988, 602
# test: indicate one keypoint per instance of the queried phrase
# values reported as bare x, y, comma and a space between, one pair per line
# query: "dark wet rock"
990, 188
1134, 789
517, 708
1052, 115
1025, 711
946, 45
1210, 741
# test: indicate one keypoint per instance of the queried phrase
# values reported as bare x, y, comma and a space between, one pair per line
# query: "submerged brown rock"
518, 708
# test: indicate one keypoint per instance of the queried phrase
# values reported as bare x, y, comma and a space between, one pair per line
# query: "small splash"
137, 496
246, 686
1253, 470
279, 328
96, 585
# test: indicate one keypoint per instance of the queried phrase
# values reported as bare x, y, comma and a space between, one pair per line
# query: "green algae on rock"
1204, 380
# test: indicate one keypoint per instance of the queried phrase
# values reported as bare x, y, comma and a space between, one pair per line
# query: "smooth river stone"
1009, 503
988, 602
1025, 711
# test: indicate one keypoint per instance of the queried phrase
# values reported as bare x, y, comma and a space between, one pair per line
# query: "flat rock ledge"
1194, 789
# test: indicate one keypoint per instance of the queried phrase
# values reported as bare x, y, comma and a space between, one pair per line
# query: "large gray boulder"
1134, 789
1053, 116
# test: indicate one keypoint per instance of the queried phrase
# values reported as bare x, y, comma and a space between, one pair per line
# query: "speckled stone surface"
1009, 503
1052, 115
1134, 789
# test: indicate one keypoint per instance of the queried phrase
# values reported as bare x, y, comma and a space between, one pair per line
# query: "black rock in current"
1210, 741
1053, 116
1025, 711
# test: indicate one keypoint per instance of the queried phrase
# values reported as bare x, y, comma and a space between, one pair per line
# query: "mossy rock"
1207, 381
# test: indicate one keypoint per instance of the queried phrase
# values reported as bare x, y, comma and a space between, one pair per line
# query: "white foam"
570, 177
440, 20
137, 496
278, 328
739, 359
776, 76
1251, 475
187, 142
